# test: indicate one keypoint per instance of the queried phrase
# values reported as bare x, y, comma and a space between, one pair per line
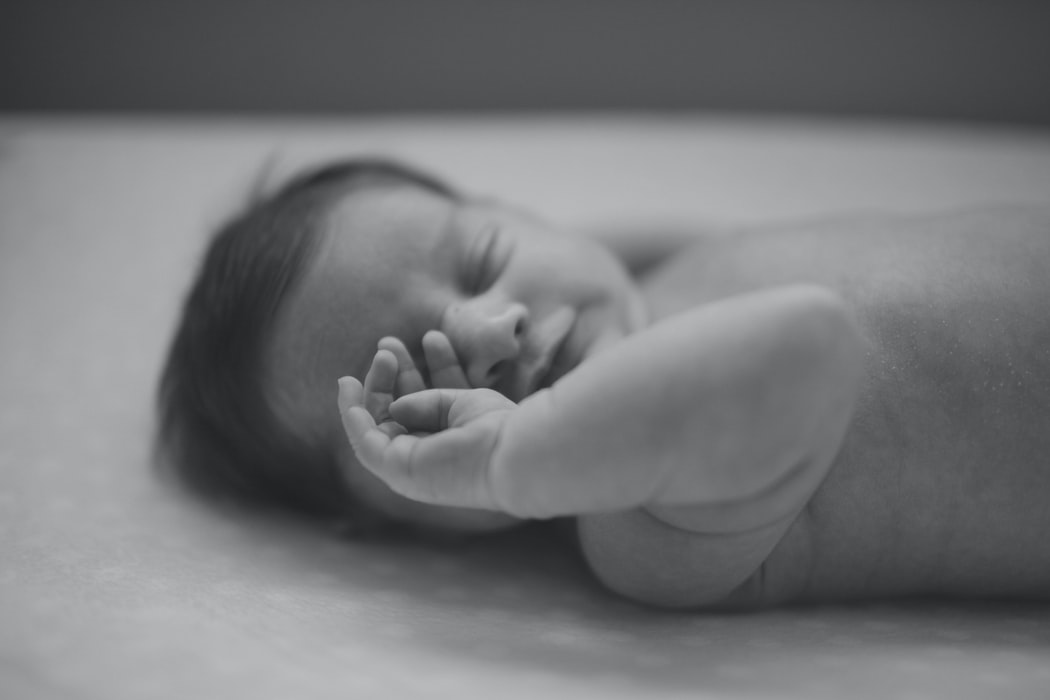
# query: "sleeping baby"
843, 409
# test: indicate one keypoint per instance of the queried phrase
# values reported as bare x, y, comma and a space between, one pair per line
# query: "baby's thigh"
642, 556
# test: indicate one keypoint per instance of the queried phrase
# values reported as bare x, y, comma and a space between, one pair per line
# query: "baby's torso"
943, 482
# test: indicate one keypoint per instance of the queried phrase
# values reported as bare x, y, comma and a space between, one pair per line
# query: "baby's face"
521, 304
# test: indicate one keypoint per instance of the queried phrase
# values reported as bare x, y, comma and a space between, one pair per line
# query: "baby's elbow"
640, 558
830, 371
831, 342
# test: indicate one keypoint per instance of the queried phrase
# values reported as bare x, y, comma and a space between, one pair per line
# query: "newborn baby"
847, 409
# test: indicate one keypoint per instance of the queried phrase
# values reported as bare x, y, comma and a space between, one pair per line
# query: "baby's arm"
733, 401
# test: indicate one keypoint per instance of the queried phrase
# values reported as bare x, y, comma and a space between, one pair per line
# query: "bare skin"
943, 482
936, 482
732, 422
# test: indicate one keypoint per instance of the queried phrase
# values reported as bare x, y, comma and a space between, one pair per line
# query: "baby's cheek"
605, 340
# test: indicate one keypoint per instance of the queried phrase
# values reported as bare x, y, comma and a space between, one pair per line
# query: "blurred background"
956, 60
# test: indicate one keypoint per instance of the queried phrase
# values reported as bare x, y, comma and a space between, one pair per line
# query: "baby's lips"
552, 334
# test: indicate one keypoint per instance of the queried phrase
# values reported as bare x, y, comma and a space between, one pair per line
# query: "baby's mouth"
552, 335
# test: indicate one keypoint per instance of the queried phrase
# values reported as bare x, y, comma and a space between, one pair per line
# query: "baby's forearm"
722, 403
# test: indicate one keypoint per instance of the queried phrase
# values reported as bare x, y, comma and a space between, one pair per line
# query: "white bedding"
115, 585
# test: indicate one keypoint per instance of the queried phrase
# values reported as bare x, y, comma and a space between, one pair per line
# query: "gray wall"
977, 60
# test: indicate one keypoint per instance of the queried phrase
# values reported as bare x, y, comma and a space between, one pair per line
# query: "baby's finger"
425, 411
387, 456
409, 378
435, 410
370, 441
351, 393
379, 385
445, 370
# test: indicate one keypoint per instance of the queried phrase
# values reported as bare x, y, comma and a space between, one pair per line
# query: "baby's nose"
487, 338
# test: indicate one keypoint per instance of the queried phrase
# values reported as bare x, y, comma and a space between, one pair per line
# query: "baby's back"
943, 482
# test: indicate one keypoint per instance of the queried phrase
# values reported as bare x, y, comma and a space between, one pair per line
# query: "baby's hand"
442, 364
431, 445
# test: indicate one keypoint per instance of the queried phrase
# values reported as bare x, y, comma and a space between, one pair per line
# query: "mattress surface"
114, 584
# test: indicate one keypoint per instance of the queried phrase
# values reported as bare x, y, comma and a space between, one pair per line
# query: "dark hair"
215, 423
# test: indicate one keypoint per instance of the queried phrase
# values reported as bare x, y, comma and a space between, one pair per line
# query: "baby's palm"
433, 445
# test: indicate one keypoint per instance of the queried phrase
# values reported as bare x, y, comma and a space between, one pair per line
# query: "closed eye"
489, 260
